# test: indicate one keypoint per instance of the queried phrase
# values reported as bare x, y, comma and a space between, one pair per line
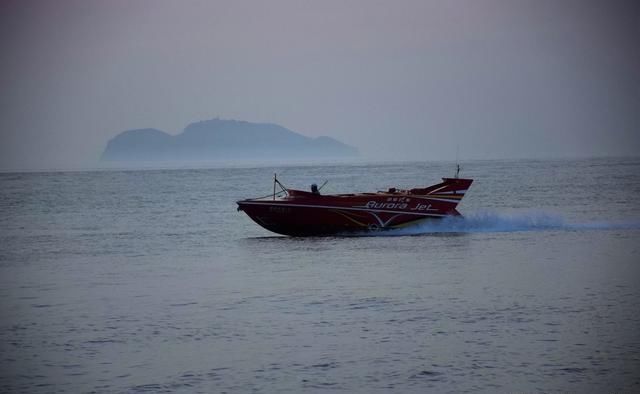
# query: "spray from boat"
499, 222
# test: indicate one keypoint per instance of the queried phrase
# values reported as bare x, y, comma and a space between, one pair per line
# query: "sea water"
151, 281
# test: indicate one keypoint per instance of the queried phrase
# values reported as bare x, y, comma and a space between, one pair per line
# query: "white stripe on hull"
343, 208
460, 192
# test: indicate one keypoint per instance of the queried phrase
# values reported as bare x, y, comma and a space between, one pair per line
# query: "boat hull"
296, 220
307, 214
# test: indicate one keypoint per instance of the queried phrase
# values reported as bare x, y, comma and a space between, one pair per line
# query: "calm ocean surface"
150, 281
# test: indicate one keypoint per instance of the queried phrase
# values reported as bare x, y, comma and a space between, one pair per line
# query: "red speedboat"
302, 213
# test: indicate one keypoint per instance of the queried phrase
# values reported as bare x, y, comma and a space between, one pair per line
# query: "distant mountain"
219, 139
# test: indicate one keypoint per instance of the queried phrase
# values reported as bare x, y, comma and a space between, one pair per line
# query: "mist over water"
151, 281
408, 80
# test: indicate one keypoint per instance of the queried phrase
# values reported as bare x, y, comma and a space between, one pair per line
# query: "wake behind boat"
302, 213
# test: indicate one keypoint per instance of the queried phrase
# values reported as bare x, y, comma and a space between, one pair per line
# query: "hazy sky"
397, 79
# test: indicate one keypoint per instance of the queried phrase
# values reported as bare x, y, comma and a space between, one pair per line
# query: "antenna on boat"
457, 162
277, 182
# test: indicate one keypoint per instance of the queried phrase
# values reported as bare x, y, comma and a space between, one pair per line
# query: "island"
219, 139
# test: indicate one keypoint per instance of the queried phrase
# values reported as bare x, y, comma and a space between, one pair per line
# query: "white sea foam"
509, 222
